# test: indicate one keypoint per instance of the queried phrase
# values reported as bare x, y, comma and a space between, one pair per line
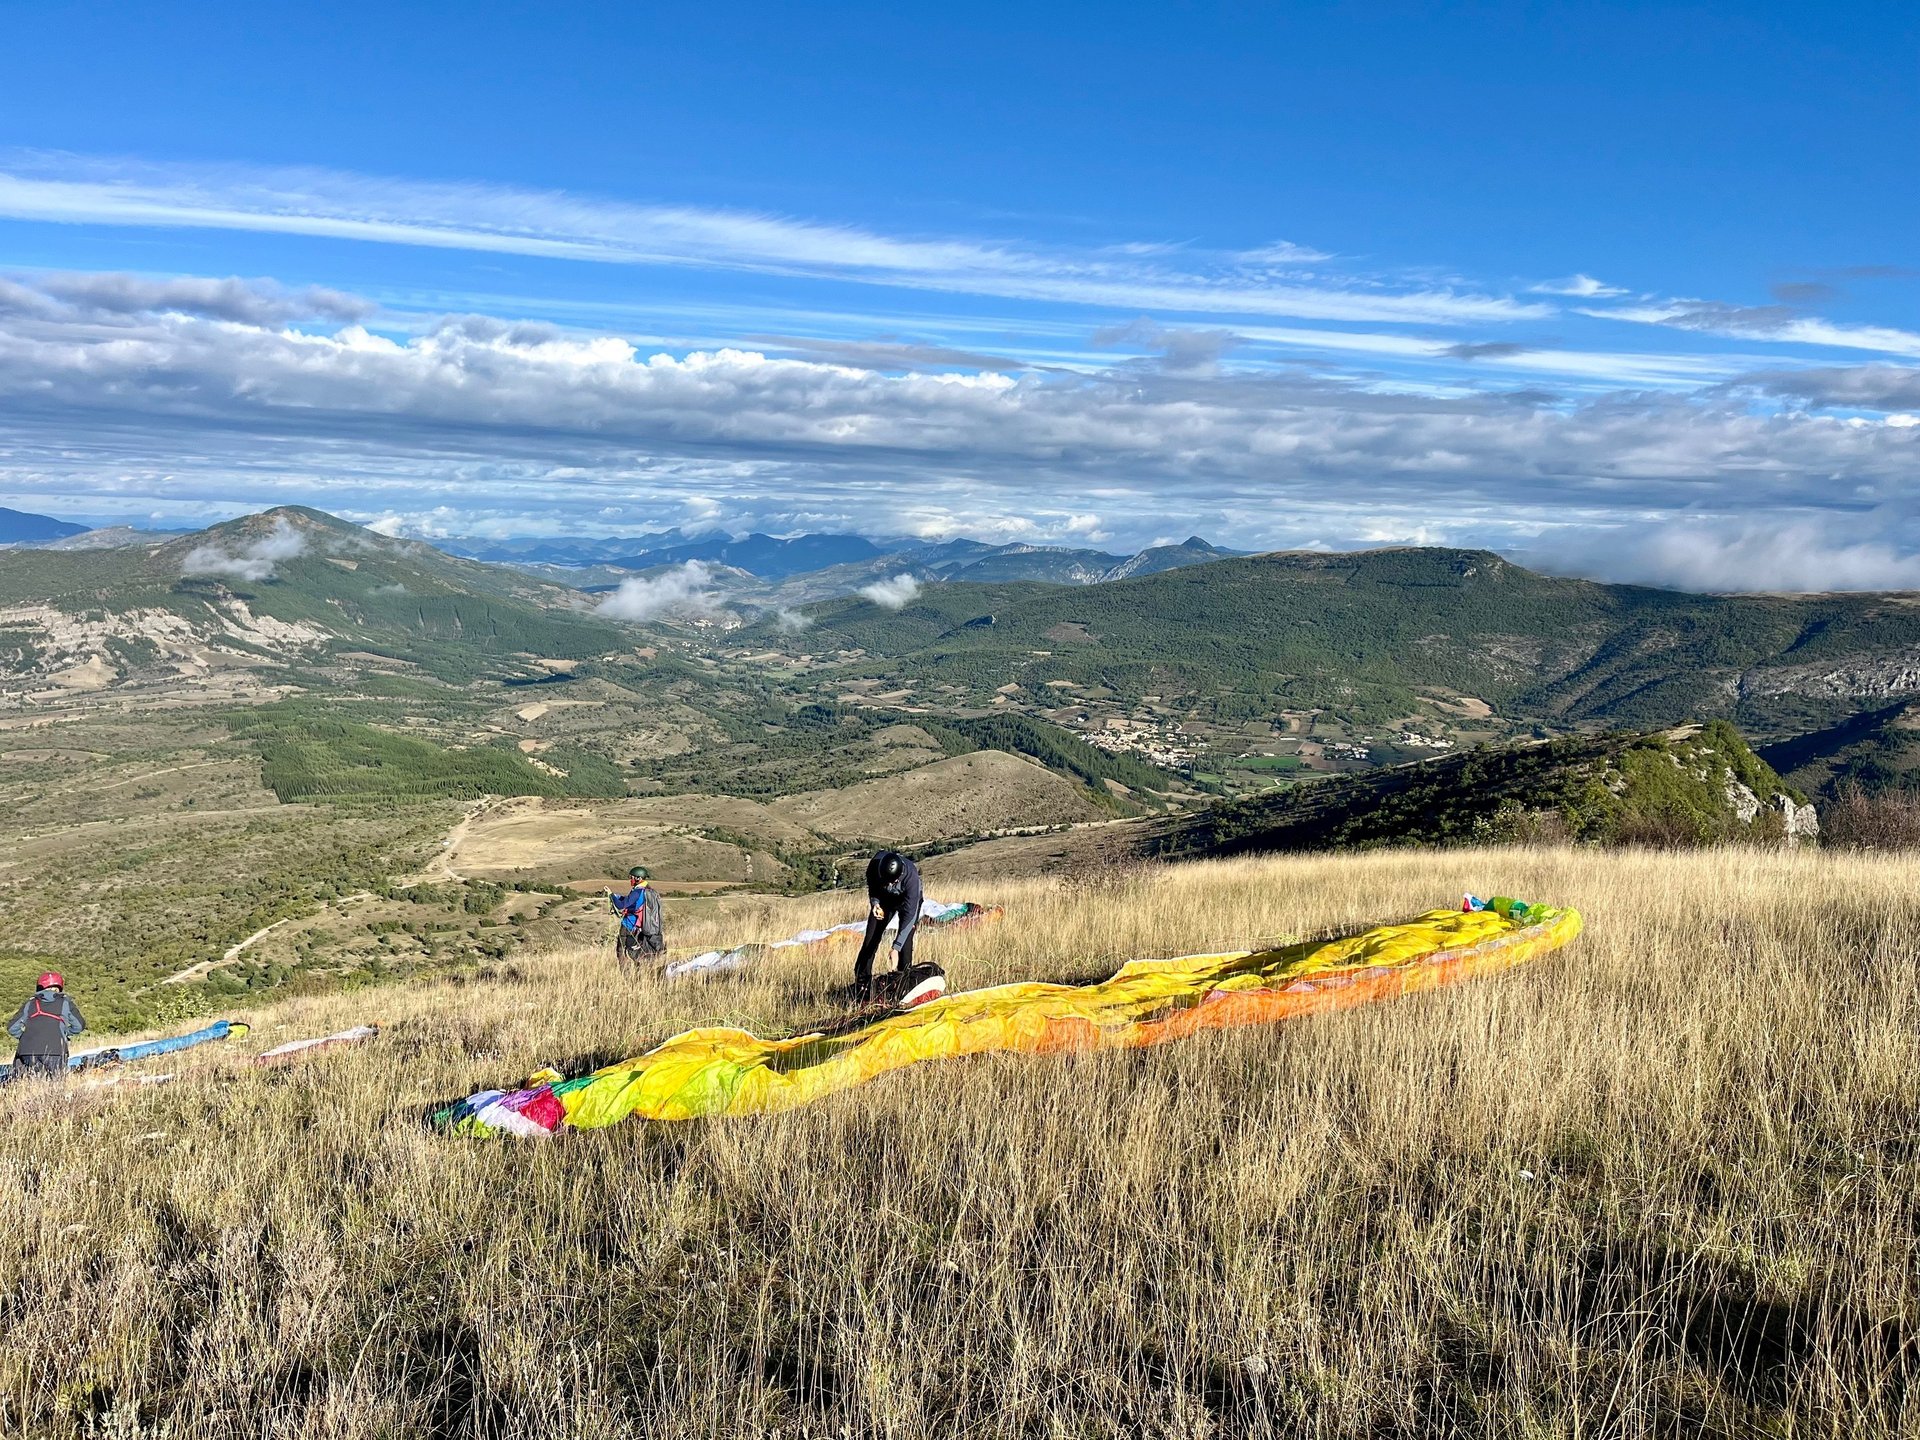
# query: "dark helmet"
639, 872
890, 866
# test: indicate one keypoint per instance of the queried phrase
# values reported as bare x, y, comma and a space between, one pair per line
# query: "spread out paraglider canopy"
1148, 1002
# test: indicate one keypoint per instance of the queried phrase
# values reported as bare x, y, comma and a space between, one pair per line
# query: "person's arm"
909, 907
75, 1021
19, 1021
875, 908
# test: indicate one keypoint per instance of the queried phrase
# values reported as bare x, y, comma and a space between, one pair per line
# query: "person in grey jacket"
46, 1022
893, 889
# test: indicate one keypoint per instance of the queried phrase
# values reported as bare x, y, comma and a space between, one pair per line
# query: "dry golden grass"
1661, 1183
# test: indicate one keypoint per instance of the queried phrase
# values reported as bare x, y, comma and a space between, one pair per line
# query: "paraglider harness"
644, 940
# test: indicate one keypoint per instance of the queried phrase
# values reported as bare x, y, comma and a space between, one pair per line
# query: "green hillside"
1694, 785
1876, 750
309, 752
456, 619
1360, 635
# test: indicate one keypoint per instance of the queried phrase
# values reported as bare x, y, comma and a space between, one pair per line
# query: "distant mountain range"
1365, 640
21, 527
1365, 635
834, 563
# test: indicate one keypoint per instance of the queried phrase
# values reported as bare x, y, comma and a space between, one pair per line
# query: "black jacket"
45, 1023
902, 898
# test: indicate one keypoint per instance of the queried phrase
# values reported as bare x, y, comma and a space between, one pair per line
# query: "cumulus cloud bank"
892, 594
685, 591
252, 562
129, 393
241, 302
1799, 555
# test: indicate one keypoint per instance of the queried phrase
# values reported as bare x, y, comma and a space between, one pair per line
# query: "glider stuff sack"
1148, 1002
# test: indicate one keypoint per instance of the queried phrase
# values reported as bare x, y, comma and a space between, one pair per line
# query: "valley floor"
1659, 1183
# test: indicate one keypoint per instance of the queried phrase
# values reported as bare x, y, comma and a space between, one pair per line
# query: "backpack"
43, 1030
653, 935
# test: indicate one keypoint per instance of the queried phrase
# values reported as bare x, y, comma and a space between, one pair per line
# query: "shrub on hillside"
1862, 819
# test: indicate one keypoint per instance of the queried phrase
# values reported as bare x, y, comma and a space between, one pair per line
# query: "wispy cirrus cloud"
1582, 287
555, 225
1781, 323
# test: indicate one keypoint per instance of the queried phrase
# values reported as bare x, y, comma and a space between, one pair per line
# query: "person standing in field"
893, 892
43, 1026
642, 927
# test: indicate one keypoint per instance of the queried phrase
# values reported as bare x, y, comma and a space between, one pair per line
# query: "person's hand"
879, 911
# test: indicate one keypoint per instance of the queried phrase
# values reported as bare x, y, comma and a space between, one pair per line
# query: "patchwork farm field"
1660, 1182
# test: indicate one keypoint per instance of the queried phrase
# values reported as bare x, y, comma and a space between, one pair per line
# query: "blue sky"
1628, 290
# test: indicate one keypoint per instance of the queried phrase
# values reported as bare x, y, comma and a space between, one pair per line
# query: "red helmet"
53, 979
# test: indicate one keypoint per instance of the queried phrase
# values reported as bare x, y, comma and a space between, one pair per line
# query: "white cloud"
1282, 252
474, 425
251, 562
791, 622
892, 594
685, 591
1806, 554
1780, 323
1583, 287
80, 295
305, 201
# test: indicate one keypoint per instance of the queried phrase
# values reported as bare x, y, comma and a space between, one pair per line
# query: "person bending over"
45, 1023
893, 891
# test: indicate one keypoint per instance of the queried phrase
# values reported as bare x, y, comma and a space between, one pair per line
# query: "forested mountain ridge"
1363, 633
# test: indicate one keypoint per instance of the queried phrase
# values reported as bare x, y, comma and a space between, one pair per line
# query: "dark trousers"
870, 946
52, 1066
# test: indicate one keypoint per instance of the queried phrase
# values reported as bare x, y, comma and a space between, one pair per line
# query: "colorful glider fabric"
300, 1049
1148, 1002
934, 915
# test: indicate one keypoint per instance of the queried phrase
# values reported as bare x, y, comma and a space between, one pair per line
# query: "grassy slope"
1662, 1183
1360, 633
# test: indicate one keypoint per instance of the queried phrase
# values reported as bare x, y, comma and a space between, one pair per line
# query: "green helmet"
639, 872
